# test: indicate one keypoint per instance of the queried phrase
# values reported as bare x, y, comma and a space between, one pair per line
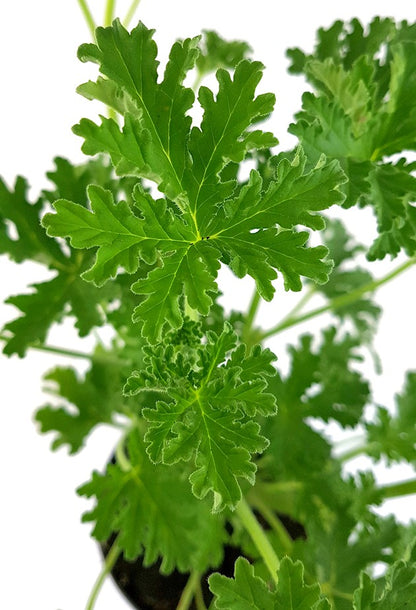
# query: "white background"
48, 560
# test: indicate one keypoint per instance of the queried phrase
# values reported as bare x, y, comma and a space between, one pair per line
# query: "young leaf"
203, 414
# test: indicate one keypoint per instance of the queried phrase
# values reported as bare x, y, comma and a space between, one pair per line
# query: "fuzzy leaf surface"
205, 410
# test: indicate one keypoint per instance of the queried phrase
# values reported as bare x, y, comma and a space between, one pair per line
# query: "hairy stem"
259, 537
88, 17
109, 12
130, 13
189, 591
337, 302
109, 562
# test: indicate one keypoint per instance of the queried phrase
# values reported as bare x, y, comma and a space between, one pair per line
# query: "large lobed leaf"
153, 512
207, 218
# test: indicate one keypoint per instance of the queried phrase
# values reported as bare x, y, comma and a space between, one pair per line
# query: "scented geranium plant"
222, 491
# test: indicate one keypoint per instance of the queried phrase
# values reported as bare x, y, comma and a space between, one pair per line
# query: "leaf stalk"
109, 563
259, 537
88, 17
338, 302
130, 13
189, 591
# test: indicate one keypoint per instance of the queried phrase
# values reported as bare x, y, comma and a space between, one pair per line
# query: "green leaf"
362, 112
112, 227
65, 294
154, 513
244, 592
345, 279
292, 593
312, 386
397, 590
189, 166
203, 414
215, 52
153, 142
238, 227
395, 127
393, 435
393, 190
249, 592
91, 400
223, 135
194, 270
21, 235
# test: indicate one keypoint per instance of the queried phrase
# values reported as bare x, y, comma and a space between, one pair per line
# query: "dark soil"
147, 589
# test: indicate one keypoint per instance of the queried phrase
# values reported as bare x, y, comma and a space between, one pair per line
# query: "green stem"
275, 523
52, 349
189, 591
197, 81
130, 13
338, 302
109, 12
199, 597
394, 490
252, 311
259, 537
251, 315
109, 562
299, 305
55, 350
88, 17
121, 458
355, 452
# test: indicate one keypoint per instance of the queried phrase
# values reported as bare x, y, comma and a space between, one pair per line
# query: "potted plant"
222, 491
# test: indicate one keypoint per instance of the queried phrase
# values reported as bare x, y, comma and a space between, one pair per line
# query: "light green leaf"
198, 418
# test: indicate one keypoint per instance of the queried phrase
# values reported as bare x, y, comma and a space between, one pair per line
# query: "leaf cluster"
362, 114
221, 445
